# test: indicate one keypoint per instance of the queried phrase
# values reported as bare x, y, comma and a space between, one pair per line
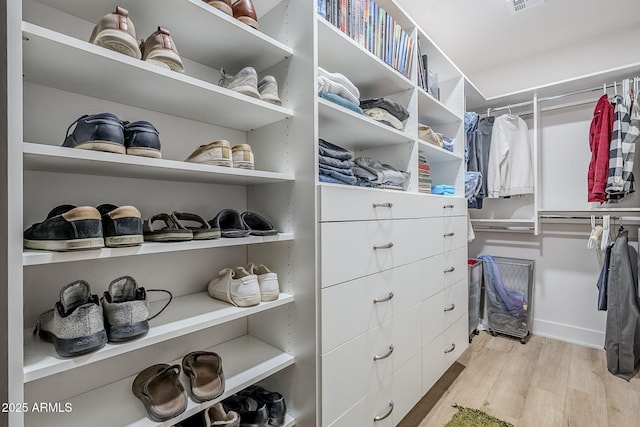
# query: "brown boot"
223, 5
244, 11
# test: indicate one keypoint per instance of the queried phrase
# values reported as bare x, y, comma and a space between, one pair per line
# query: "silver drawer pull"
449, 270
450, 349
449, 234
382, 417
387, 298
384, 356
450, 308
448, 206
385, 246
383, 205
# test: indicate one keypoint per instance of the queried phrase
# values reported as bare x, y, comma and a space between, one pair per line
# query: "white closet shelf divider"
372, 76
437, 154
47, 55
246, 360
32, 257
52, 158
433, 112
184, 315
220, 37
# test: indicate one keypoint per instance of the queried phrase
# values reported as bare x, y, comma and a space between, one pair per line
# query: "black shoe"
142, 139
98, 132
230, 224
121, 226
274, 402
66, 228
252, 413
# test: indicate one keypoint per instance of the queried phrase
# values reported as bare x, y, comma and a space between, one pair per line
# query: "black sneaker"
121, 226
252, 413
98, 132
142, 139
274, 402
66, 228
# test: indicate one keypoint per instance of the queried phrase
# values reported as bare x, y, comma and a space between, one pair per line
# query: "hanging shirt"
510, 169
599, 139
621, 152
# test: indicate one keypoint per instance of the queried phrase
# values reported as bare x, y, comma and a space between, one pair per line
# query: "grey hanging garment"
622, 336
602, 281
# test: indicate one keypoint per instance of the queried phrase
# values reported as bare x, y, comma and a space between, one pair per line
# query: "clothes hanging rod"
588, 217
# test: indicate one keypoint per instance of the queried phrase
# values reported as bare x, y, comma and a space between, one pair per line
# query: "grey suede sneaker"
75, 325
245, 81
268, 88
126, 310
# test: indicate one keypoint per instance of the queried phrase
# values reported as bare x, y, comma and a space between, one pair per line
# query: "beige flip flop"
204, 369
160, 390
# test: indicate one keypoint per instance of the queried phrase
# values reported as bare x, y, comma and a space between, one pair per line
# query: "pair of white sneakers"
245, 287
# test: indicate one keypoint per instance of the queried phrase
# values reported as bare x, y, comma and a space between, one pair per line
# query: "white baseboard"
568, 333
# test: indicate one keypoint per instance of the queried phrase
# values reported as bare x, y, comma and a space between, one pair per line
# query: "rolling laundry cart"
475, 292
508, 295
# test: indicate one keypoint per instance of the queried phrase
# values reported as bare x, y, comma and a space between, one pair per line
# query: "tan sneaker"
242, 156
160, 49
217, 153
115, 31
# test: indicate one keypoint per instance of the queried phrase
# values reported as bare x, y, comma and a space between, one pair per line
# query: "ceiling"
503, 54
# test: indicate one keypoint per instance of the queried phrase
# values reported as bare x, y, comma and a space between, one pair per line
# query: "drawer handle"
382, 417
385, 246
450, 349
448, 206
384, 356
449, 234
387, 298
450, 308
383, 205
449, 270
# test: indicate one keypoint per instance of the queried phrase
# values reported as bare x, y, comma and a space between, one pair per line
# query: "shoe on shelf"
66, 228
245, 82
160, 49
171, 232
75, 324
251, 412
216, 416
275, 403
160, 390
141, 138
230, 223
267, 280
217, 153
244, 11
257, 224
268, 88
98, 132
206, 377
115, 31
126, 310
121, 226
235, 286
202, 231
223, 5
242, 156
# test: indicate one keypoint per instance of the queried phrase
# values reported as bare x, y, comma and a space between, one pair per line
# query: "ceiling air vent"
516, 6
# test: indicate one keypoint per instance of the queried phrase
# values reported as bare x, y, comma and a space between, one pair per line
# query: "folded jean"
331, 150
326, 85
336, 163
340, 79
345, 179
395, 108
341, 101
330, 179
385, 174
384, 116
328, 169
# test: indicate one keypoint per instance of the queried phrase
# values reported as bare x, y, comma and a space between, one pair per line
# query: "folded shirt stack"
443, 189
424, 175
335, 164
336, 87
385, 111
371, 173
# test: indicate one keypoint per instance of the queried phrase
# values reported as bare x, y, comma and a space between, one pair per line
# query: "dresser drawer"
454, 232
433, 318
354, 249
350, 372
454, 266
457, 340
447, 206
351, 308
433, 361
456, 302
432, 275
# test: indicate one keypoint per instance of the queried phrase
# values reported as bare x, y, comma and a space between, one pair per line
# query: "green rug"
468, 417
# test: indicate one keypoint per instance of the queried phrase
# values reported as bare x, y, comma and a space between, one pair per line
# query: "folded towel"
343, 102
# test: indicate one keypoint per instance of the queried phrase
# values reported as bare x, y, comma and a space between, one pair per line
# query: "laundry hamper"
475, 291
508, 286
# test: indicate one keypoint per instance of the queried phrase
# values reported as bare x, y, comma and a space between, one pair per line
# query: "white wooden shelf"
43, 157
339, 53
184, 315
33, 257
221, 40
364, 132
47, 55
437, 154
245, 360
433, 112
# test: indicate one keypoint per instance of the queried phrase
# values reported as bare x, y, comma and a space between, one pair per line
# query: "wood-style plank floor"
544, 383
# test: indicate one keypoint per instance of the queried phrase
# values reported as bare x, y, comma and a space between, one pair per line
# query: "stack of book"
372, 28
424, 174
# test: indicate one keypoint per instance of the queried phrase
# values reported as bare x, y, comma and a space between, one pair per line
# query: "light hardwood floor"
544, 383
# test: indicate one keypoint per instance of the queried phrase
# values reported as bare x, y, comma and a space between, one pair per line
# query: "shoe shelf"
184, 315
246, 360
202, 33
33, 257
339, 53
433, 112
47, 55
334, 119
50, 158
437, 154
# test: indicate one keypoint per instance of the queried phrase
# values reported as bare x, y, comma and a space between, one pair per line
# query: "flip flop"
171, 232
230, 223
204, 369
257, 224
160, 390
201, 232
